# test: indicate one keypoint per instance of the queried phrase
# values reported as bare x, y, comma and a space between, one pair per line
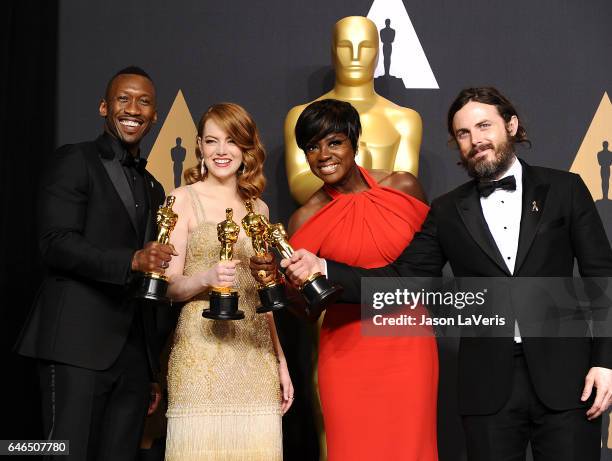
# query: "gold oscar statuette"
391, 134
271, 294
151, 285
224, 300
316, 289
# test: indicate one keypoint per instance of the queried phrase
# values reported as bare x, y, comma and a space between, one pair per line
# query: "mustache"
480, 148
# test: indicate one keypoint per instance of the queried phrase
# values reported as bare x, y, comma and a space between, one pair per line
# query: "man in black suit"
516, 220
97, 348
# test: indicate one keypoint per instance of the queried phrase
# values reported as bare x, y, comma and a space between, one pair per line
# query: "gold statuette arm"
410, 127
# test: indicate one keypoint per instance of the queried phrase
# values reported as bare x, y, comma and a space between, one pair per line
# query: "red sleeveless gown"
378, 394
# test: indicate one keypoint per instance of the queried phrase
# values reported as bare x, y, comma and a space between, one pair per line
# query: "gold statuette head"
355, 50
277, 237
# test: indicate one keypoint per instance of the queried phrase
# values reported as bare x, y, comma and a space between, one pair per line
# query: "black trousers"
554, 435
101, 413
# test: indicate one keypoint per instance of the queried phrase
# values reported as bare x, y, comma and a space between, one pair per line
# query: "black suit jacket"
88, 234
565, 227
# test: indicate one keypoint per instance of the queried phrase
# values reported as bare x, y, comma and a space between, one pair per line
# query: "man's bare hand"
154, 398
601, 379
154, 257
301, 265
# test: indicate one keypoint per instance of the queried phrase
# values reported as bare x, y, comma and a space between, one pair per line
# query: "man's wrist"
133, 265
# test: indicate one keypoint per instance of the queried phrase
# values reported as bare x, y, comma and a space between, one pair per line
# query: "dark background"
550, 57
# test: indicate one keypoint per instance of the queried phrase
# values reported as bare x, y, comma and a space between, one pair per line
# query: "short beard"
482, 169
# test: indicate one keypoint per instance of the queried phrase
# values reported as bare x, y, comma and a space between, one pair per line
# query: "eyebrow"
461, 130
331, 136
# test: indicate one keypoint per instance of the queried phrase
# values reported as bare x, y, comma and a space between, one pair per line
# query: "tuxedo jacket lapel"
468, 206
149, 234
534, 200
114, 169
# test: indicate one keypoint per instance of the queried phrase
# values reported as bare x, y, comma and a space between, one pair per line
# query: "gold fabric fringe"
255, 437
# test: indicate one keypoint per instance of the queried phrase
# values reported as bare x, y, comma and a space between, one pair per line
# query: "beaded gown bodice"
216, 366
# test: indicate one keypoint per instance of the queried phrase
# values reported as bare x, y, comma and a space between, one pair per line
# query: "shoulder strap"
368, 178
198, 209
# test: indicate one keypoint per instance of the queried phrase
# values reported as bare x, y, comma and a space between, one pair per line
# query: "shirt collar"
118, 148
516, 170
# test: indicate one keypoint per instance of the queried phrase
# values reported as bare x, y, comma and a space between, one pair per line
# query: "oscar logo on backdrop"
174, 148
387, 36
604, 157
594, 159
404, 64
178, 154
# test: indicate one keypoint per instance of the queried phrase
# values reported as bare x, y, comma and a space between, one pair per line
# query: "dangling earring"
203, 169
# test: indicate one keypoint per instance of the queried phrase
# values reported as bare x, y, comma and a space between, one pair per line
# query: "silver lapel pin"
534, 206
152, 186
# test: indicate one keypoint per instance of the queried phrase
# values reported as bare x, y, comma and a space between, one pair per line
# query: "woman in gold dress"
228, 382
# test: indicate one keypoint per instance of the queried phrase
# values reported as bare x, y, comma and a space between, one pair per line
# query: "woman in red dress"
378, 394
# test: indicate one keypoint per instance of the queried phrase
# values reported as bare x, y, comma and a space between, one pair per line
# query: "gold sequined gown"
223, 385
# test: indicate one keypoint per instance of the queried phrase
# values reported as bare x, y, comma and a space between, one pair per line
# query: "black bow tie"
488, 187
139, 164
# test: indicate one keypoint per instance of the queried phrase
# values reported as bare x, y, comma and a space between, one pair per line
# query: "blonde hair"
241, 127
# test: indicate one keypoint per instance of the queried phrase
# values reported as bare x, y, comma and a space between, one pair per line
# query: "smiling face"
222, 156
355, 50
484, 140
129, 108
332, 158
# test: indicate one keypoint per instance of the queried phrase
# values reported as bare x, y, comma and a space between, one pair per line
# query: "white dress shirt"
502, 212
